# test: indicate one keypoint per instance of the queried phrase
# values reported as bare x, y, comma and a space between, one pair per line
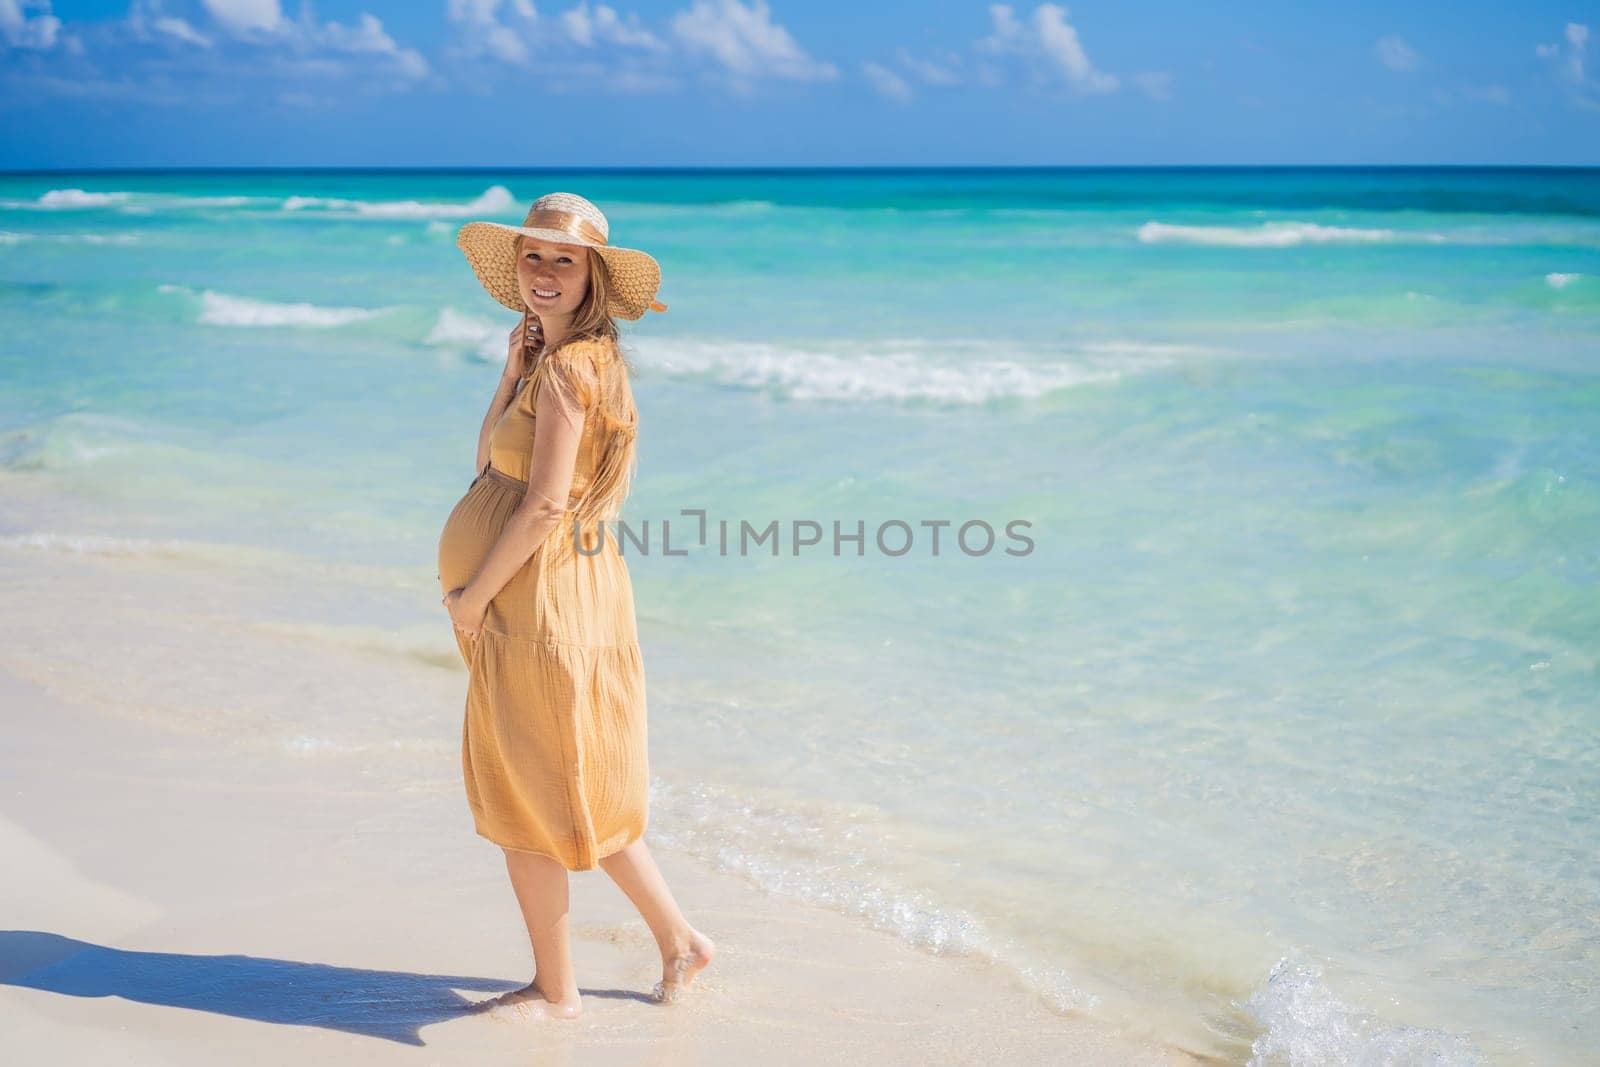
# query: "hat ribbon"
566, 222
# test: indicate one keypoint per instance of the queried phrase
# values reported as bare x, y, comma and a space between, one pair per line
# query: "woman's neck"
555, 331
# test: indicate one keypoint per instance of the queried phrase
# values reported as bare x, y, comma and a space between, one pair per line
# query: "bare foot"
527, 1004
680, 965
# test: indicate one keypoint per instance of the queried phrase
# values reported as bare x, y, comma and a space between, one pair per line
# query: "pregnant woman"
553, 745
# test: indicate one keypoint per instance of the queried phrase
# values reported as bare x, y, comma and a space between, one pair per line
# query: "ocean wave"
776, 848
69, 199
480, 338
207, 554
899, 371
126, 202
735, 208
1274, 235
1304, 1022
495, 200
85, 544
898, 374
148, 203
1560, 281
211, 201
96, 238
222, 309
11, 237
433, 647
256, 559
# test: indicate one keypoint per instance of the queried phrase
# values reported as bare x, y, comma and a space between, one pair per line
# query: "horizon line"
797, 169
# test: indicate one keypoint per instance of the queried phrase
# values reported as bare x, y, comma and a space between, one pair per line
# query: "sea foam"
11, 237
496, 199
222, 309
898, 372
1305, 1023
78, 198
479, 337
147, 203
1273, 235
776, 848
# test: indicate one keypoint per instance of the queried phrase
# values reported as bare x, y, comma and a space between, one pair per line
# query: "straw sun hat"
569, 219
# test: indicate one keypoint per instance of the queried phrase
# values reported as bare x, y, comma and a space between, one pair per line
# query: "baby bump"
575, 589
471, 530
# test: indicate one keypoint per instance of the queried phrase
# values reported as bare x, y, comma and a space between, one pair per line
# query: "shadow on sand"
393, 1005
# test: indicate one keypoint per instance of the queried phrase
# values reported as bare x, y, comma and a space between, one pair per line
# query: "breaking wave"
1275, 235
221, 309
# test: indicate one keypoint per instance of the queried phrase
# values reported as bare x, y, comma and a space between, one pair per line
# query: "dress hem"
558, 859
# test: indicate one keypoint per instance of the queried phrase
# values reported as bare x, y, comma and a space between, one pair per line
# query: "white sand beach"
184, 887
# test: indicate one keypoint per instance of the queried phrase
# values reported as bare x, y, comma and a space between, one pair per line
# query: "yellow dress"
553, 748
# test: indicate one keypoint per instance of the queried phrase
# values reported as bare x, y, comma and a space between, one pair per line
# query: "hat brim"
491, 249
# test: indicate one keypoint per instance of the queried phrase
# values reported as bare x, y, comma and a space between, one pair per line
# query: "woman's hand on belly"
466, 614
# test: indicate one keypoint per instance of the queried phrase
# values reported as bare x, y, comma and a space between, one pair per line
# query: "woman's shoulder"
588, 346
582, 365
595, 350
584, 357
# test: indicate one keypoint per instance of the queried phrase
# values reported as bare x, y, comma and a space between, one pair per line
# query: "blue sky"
550, 83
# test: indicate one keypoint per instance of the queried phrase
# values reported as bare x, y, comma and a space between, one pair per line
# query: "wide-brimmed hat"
569, 219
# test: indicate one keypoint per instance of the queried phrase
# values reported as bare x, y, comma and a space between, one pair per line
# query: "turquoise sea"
1280, 736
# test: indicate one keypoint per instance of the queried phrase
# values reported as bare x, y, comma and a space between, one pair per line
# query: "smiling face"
552, 278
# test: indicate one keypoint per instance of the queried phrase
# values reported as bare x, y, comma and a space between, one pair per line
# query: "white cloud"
471, 10
485, 33
1394, 53
887, 82
1569, 58
934, 73
1061, 43
746, 41
121, 90
1050, 39
180, 30
369, 37
239, 50
603, 24
242, 16
21, 30
146, 21
262, 22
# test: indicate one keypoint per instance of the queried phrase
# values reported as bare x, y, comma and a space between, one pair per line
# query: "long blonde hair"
591, 355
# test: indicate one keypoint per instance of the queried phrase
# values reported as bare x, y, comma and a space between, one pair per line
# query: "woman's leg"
685, 951
540, 883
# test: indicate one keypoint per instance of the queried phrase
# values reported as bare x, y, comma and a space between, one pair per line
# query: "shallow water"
1281, 740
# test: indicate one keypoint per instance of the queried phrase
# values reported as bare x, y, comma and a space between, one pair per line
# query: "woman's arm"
504, 393
521, 348
557, 433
